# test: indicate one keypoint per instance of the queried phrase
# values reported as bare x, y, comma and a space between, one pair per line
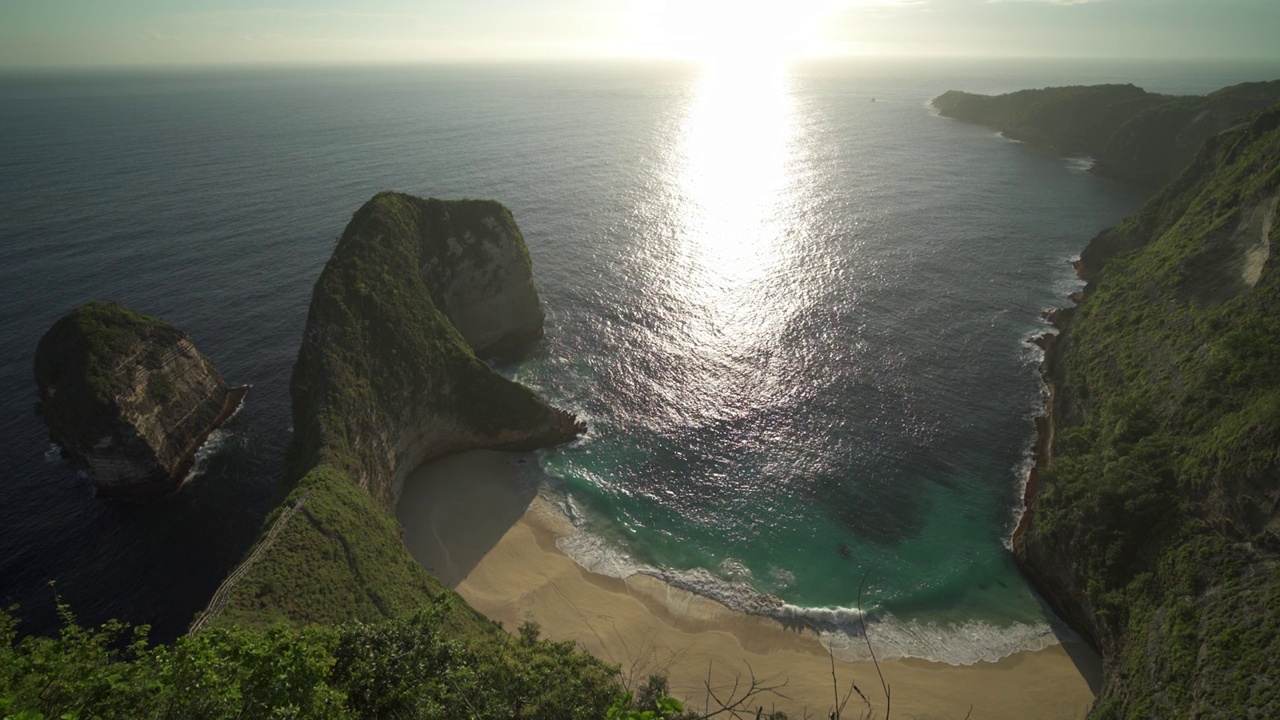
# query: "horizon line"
613, 59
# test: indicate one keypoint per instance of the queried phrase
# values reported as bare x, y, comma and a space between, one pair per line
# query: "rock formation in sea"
129, 398
1132, 134
390, 376
390, 373
1153, 515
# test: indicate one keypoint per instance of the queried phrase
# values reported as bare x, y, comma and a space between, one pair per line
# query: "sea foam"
841, 629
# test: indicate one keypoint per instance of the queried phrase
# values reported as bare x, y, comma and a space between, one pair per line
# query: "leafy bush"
402, 668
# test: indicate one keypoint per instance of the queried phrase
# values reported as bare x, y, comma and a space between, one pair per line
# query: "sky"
37, 33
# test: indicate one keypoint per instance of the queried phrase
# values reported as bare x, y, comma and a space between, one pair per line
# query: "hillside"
328, 615
386, 379
1132, 134
1154, 524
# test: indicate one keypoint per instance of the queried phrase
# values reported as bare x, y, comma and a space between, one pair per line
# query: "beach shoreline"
488, 535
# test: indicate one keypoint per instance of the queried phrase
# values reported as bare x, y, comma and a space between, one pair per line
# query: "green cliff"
1132, 134
128, 397
329, 616
387, 379
1153, 521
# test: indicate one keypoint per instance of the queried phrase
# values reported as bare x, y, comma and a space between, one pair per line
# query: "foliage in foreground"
401, 668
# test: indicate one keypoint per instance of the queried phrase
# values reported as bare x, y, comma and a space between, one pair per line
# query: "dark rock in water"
844, 550
129, 398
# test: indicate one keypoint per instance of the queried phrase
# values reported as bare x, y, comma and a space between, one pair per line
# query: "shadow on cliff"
1084, 657
455, 510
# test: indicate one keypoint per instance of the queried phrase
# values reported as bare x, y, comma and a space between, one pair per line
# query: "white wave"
781, 577
1022, 471
1067, 280
733, 570
1081, 163
593, 554
954, 644
211, 446
839, 628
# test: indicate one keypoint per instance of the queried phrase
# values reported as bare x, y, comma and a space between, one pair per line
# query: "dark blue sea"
793, 309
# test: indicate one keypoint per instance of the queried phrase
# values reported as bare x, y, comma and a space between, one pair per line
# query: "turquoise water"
810, 369
794, 317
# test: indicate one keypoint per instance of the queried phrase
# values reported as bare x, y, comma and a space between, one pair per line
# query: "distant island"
1132, 134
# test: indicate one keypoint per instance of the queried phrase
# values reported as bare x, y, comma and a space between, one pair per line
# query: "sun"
743, 34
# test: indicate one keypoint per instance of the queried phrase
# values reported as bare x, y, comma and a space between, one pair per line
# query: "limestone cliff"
1153, 518
129, 397
388, 378
388, 375
1132, 134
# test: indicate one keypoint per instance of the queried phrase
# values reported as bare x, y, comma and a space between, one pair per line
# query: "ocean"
793, 310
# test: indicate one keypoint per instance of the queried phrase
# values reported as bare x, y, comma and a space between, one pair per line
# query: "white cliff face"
483, 281
493, 302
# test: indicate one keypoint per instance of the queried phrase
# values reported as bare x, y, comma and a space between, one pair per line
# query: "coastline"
472, 521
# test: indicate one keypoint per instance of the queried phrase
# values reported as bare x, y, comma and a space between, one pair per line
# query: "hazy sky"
94, 32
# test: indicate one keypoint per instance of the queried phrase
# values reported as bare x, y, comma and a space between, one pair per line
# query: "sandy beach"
472, 522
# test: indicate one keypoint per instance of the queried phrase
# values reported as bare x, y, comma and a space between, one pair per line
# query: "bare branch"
739, 699
862, 618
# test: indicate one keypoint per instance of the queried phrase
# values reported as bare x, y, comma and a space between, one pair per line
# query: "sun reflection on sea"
733, 221
733, 173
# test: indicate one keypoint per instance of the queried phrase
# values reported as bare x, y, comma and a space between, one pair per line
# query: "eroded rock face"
129, 397
479, 273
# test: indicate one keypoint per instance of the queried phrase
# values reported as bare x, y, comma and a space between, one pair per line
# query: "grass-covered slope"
1133, 134
1156, 527
329, 616
385, 381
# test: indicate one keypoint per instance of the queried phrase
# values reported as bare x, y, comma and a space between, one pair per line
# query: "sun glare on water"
729, 199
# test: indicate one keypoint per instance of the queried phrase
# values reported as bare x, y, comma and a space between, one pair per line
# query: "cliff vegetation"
406, 667
386, 380
1155, 529
129, 397
1132, 134
329, 615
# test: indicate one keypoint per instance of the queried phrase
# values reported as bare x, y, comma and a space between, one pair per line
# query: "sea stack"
129, 398
389, 376
391, 372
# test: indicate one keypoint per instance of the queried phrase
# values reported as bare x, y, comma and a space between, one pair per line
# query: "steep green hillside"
1156, 525
1133, 134
386, 380
329, 615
